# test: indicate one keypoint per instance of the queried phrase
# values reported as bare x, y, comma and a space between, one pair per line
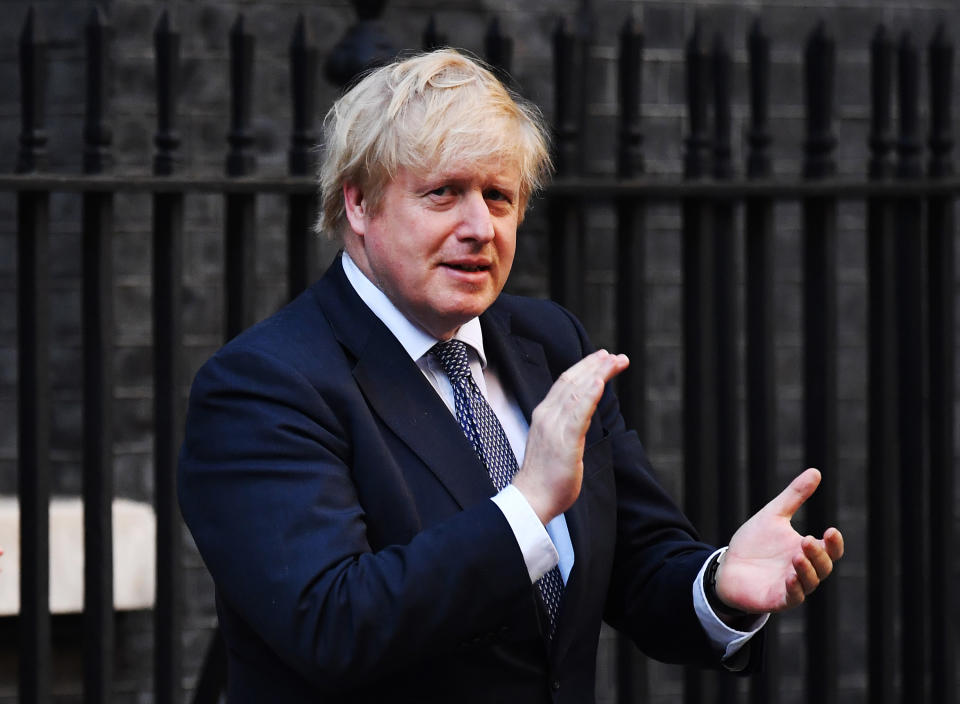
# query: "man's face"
441, 245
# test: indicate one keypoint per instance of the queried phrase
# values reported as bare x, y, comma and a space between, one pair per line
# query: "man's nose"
475, 220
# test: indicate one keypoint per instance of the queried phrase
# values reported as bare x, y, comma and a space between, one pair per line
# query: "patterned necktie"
483, 430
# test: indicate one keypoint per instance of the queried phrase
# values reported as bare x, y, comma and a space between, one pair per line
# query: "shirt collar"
414, 340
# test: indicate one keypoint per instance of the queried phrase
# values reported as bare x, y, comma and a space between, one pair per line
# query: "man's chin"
444, 324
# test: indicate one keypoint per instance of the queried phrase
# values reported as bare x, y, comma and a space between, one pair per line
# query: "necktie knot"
452, 356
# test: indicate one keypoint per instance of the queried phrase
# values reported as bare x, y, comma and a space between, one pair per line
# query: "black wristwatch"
710, 588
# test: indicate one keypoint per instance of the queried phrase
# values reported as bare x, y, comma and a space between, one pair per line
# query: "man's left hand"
769, 566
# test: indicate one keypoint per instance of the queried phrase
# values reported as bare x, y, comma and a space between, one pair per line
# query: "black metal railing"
908, 231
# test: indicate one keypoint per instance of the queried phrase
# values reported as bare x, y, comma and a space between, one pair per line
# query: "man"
386, 519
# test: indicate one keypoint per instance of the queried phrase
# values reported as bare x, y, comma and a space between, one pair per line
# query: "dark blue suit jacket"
347, 525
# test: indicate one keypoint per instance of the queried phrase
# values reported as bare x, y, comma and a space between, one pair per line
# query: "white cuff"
538, 550
720, 634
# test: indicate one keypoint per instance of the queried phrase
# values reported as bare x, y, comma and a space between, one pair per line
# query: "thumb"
799, 490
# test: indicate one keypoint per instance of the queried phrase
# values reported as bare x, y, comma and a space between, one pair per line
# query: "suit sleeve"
265, 486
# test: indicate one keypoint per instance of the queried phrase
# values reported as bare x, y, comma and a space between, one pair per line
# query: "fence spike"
498, 48
909, 143
32, 154
881, 92
303, 74
697, 142
240, 158
567, 96
432, 38
97, 135
722, 161
940, 56
630, 26
364, 45
301, 245
630, 153
758, 138
819, 67
167, 49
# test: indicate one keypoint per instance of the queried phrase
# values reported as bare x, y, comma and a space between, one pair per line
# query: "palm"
769, 566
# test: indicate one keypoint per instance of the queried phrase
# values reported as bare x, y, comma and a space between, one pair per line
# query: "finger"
599, 365
573, 398
817, 555
806, 574
615, 364
578, 390
833, 541
799, 490
795, 593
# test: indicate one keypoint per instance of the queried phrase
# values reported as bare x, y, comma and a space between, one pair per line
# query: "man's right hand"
552, 470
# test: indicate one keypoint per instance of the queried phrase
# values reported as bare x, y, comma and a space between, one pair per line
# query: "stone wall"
203, 124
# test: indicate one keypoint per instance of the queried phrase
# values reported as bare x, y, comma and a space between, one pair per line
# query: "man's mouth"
467, 267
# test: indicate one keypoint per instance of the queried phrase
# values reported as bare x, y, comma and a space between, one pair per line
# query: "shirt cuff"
727, 639
538, 550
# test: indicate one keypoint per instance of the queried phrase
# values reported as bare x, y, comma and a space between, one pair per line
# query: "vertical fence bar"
565, 213
940, 229
699, 329
911, 359
167, 381
882, 431
302, 207
631, 230
760, 377
699, 395
632, 683
820, 352
726, 414
33, 85
725, 282
33, 362
98, 377
240, 269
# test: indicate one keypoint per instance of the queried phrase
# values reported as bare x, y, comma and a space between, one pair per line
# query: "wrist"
532, 497
725, 612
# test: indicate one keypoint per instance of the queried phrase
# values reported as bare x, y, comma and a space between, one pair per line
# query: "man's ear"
355, 206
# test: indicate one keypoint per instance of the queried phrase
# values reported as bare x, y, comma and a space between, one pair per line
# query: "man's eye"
440, 191
494, 194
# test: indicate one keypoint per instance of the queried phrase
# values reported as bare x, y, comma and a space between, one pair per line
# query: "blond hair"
426, 114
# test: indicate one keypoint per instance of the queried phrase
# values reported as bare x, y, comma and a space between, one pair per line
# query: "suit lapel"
522, 367
398, 392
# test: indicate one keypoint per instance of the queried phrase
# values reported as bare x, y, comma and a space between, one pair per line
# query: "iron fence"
908, 233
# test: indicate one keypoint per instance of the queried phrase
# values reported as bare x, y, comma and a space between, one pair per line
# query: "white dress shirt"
542, 546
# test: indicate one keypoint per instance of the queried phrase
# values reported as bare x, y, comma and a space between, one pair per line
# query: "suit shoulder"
296, 336
539, 317
535, 312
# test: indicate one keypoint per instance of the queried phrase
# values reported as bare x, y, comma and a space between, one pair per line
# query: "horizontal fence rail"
909, 195
664, 189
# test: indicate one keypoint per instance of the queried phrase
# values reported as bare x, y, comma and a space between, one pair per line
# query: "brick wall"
204, 28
